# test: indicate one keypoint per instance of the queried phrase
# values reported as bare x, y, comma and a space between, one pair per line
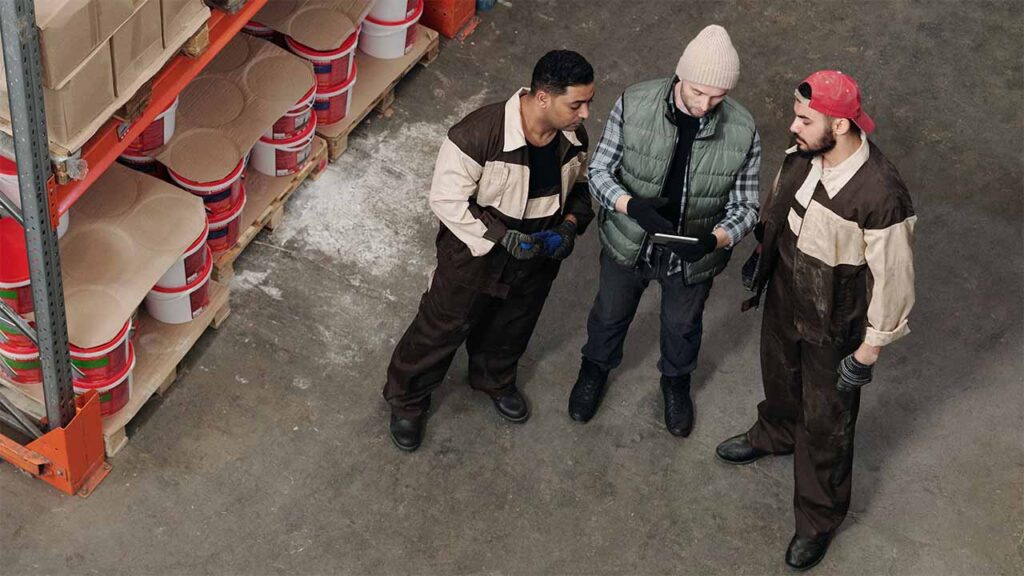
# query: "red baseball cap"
836, 94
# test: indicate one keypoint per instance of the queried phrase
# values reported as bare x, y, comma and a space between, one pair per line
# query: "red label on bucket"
289, 161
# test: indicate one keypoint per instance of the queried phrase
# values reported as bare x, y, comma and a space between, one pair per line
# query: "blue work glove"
550, 240
567, 230
521, 246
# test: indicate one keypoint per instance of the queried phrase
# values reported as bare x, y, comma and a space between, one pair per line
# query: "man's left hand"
692, 252
567, 232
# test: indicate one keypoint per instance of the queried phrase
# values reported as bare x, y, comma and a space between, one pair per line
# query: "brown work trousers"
804, 413
496, 332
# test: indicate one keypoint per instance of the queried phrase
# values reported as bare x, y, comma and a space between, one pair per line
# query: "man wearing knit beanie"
676, 174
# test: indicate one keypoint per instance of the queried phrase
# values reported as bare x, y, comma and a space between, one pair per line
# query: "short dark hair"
559, 69
806, 91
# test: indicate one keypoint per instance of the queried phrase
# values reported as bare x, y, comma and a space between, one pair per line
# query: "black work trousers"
804, 413
495, 330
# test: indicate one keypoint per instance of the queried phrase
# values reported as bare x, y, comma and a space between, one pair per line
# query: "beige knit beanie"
710, 59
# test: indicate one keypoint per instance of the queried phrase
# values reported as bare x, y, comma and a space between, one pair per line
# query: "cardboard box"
230, 104
70, 30
320, 24
136, 45
127, 232
83, 97
178, 17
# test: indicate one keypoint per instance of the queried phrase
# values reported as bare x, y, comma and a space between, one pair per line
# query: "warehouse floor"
270, 455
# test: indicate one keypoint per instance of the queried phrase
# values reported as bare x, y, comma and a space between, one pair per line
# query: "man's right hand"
521, 246
645, 212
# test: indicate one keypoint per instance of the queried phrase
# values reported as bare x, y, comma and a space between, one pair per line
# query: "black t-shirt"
545, 181
687, 127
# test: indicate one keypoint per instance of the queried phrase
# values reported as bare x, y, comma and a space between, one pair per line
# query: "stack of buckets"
107, 368
9, 188
391, 28
335, 72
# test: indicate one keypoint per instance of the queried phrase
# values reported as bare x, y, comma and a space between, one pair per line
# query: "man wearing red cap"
836, 262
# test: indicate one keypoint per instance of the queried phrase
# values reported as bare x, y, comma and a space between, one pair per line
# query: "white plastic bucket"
103, 362
225, 228
145, 164
158, 133
331, 67
295, 120
115, 391
9, 188
332, 104
259, 30
181, 305
189, 265
283, 157
389, 40
218, 196
393, 10
21, 365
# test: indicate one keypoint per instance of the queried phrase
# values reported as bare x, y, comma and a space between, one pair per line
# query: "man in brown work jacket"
510, 191
836, 261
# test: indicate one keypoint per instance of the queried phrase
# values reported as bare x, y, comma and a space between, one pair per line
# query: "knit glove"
567, 235
693, 252
852, 374
645, 212
521, 246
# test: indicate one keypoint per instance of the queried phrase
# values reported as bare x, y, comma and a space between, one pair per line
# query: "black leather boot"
678, 405
739, 450
407, 434
805, 553
512, 406
587, 392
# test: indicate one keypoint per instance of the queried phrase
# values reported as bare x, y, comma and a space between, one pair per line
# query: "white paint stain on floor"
250, 279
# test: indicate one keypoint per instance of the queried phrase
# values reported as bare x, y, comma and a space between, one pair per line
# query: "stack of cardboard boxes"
96, 52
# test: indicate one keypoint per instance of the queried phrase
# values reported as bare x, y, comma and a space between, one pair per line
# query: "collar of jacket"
514, 137
707, 124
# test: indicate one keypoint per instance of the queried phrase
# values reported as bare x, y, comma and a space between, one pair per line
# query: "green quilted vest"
649, 139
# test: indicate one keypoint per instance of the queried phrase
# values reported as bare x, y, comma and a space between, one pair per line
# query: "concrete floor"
270, 455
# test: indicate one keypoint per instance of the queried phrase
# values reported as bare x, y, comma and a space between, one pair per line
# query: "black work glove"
694, 252
567, 231
852, 374
521, 246
645, 212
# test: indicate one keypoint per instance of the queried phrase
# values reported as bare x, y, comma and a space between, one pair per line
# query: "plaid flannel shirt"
740, 210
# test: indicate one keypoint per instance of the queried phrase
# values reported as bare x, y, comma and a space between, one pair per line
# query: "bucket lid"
305, 134
331, 91
415, 16
308, 97
8, 167
14, 264
199, 239
102, 348
191, 286
345, 47
234, 175
108, 383
28, 352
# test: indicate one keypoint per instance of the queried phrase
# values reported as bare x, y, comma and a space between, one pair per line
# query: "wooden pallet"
159, 349
265, 198
375, 88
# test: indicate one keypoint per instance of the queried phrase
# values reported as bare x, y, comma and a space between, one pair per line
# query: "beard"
827, 143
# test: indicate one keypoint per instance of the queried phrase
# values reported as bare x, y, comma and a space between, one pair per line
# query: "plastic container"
9, 188
10, 334
283, 157
295, 120
333, 66
15, 288
114, 392
225, 228
103, 362
20, 364
393, 10
145, 164
189, 266
219, 196
156, 134
181, 305
332, 104
390, 40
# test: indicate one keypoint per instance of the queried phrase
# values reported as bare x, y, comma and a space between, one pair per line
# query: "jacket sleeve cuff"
495, 230
880, 338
